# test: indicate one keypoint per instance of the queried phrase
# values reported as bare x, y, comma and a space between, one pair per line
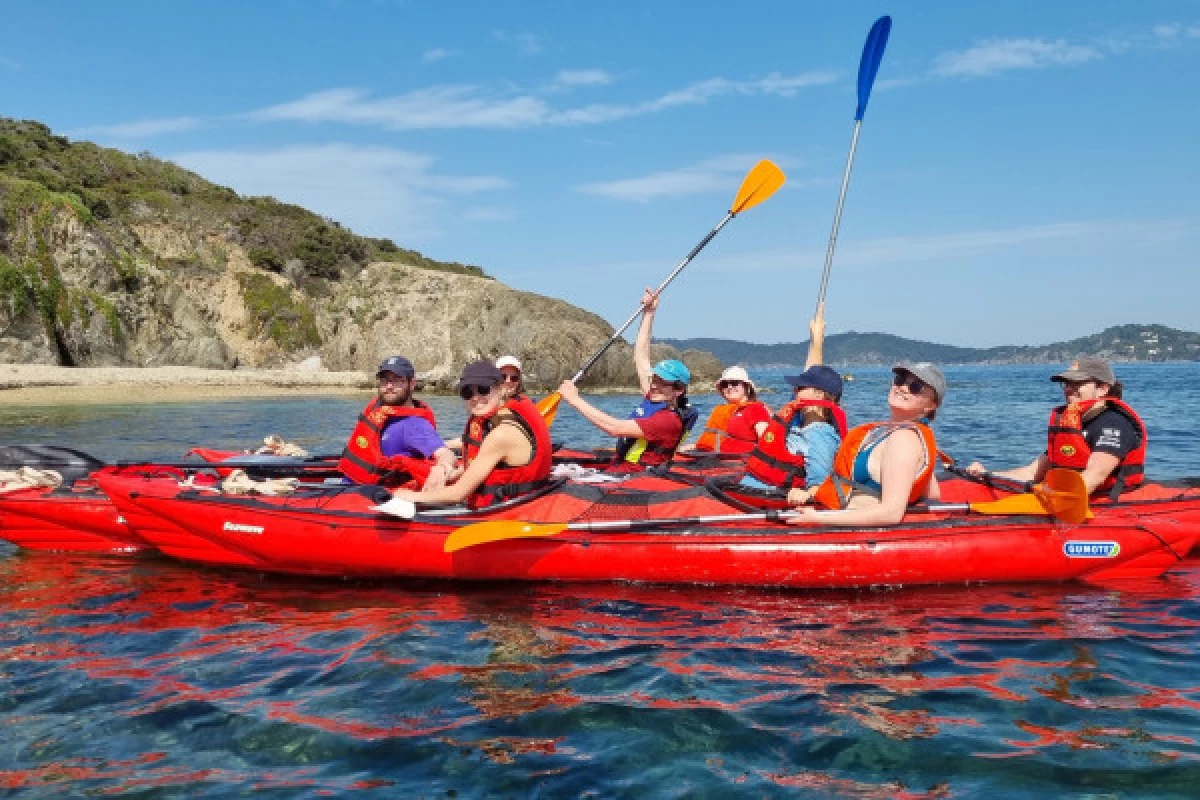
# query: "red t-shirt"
741, 428
661, 429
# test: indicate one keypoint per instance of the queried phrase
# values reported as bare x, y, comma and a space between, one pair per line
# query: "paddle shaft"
767, 516
837, 215
990, 479
687, 260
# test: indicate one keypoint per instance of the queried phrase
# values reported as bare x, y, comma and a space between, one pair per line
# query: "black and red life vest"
1066, 447
771, 461
506, 482
363, 460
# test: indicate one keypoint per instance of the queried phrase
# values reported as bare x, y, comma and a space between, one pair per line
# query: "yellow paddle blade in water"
498, 530
761, 182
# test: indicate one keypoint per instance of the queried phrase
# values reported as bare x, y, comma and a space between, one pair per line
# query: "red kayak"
333, 531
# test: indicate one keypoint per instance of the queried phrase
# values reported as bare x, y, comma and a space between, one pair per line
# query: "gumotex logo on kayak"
235, 527
1092, 549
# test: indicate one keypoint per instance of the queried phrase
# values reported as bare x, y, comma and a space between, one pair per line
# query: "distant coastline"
1121, 344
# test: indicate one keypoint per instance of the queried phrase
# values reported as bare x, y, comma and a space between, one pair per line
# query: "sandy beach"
41, 384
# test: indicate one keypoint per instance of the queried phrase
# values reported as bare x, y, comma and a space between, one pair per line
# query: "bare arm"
900, 462
1099, 467
609, 424
641, 346
503, 443
816, 342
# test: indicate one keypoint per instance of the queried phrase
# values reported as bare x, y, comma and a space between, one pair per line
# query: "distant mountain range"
1119, 343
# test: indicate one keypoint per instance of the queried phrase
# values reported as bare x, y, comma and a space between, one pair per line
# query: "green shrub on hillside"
290, 324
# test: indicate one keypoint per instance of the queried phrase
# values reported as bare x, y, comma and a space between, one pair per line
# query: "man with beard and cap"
1093, 432
396, 439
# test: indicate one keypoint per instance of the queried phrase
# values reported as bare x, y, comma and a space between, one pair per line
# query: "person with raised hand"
657, 426
795, 452
1094, 432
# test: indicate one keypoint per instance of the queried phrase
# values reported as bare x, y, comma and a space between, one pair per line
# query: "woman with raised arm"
795, 452
658, 425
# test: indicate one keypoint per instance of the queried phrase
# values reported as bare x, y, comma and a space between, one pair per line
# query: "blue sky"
1027, 171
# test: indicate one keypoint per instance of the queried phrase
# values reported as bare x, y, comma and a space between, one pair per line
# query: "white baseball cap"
508, 361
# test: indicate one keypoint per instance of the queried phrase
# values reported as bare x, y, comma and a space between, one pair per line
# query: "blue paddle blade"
871, 56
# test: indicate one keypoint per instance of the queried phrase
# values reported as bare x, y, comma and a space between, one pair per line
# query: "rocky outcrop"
162, 291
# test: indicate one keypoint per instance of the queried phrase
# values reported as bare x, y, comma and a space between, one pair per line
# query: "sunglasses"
510, 378
467, 392
723, 385
909, 381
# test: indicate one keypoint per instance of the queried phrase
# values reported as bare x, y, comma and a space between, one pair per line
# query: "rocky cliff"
108, 259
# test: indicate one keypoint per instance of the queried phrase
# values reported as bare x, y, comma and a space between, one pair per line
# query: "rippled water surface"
154, 679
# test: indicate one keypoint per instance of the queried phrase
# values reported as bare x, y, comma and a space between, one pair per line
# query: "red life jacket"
729, 429
506, 482
771, 461
835, 491
1067, 448
363, 460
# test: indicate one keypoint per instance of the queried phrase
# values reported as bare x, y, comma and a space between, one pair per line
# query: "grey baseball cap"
926, 372
1087, 369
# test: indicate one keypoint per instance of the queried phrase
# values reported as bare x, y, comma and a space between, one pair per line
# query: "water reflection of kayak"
333, 531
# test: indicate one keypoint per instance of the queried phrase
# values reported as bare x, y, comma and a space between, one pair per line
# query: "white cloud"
8, 63
1000, 55
378, 191
437, 54
1170, 31
571, 78
469, 106
139, 129
527, 44
943, 247
1193, 31
437, 107
711, 175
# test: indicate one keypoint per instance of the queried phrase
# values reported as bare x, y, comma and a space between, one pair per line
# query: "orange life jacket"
363, 460
506, 482
836, 490
1067, 448
771, 461
729, 430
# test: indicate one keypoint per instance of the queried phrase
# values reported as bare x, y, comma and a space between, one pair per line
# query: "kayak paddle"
762, 181
868, 67
1063, 496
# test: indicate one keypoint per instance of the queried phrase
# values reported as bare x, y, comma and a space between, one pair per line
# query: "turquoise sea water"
154, 679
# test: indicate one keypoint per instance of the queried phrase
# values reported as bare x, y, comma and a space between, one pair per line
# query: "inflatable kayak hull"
77, 520
336, 534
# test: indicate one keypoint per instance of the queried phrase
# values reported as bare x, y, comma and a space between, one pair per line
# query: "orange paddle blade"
1065, 494
498, 530
761, 182
548, 407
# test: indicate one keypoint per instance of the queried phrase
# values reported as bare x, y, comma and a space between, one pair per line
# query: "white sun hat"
737, 374
508, 361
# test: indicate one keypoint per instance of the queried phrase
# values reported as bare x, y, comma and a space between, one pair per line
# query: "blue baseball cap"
820, 377
673, 370
397, 365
